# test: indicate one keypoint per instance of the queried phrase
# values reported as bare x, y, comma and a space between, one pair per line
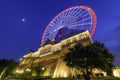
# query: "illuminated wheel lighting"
77, 18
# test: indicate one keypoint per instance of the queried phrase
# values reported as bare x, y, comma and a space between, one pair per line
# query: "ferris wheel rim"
82, 7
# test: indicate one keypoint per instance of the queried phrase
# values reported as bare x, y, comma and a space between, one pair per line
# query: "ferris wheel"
77, 18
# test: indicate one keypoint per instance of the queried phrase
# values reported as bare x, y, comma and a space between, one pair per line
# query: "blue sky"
17, 36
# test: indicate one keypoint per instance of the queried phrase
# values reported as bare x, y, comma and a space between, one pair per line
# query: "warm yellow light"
43, 68
116, 73
21, 59
33, 74
19, 71
28, 69
65, 74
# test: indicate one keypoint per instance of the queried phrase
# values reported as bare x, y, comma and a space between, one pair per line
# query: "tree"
86, 58
3, 63
37, 70
109, 57
8, 67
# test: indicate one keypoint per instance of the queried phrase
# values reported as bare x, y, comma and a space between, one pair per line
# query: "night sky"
22, 23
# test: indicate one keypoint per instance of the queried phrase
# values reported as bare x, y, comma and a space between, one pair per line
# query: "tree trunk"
3, 73
87, 77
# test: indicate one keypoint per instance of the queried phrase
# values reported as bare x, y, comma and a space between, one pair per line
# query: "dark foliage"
86, 58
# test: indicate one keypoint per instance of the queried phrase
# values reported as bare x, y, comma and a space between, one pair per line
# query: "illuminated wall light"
71, 41
28, 69
82, 37
65, 74
19, 71
24, 56
116, 73
33, 74
43, 68
104, 73
21, 59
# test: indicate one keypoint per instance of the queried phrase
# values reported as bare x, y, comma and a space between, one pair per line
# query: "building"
50, 57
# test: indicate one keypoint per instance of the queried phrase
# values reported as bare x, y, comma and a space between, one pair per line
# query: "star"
23, 20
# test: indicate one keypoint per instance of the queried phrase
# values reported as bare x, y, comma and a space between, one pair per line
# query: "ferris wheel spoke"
86, 19
87, 27
79, 14
83, 12
66, 14
56, 21
80, 21
63, 16
53, 23
76, 12
87, 24
72, 11
87, 14
80, 24
59, 19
